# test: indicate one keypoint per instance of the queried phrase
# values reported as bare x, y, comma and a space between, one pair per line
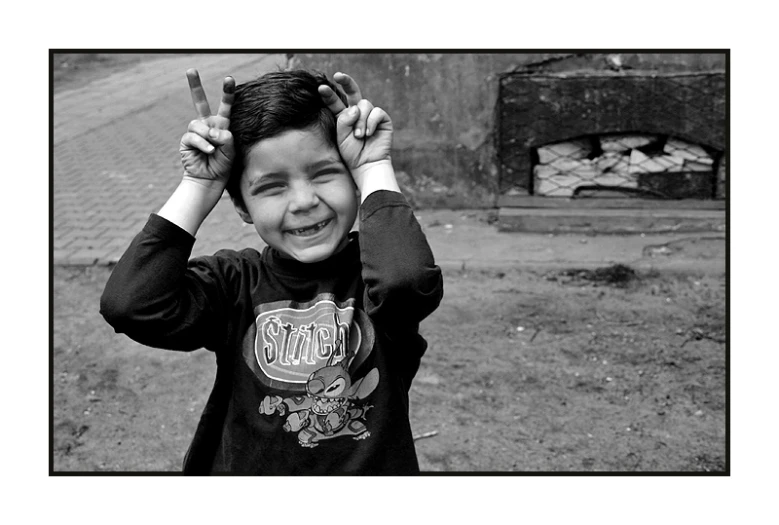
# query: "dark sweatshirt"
314, 361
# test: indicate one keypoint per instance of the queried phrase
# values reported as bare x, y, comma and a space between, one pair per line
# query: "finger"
219, 136
200, 127
194, 141
331, 100
225, 151
198, 94
350, 87
228, 96
215, 136
378, 118
345, 122
365, 107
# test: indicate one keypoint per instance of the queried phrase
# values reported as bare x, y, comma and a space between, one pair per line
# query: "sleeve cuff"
381, 199
163, 229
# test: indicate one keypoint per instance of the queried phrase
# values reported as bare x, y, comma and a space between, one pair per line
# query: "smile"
309, 230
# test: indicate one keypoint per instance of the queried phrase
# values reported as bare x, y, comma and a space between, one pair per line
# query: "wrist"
191, 203
375, 176
206, 187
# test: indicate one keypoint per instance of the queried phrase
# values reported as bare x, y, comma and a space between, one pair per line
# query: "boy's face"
299, 195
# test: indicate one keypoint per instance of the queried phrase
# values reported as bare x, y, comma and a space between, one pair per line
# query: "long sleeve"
403, 285
156, 297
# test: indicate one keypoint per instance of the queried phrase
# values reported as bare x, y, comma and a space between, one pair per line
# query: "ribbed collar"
331, 266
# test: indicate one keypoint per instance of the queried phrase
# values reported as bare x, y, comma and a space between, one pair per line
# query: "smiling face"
299, 195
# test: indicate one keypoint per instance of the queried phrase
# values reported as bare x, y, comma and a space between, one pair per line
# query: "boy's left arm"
403, 283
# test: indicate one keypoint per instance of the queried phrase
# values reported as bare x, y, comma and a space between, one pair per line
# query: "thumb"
224, 139
225, 153
219, 136
346, 120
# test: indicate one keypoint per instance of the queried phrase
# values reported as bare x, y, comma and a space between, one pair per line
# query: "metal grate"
645, 133
625, 165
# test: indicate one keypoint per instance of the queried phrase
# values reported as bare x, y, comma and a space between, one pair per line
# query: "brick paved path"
116, 161
116, 155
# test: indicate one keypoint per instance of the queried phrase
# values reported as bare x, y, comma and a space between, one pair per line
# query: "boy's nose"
303, 198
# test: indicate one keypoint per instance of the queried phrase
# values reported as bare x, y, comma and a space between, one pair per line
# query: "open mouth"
309, 230
325, 405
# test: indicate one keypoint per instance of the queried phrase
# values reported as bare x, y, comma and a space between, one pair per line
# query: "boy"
316, 338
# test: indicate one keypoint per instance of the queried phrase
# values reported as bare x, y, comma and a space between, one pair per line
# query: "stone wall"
443, 107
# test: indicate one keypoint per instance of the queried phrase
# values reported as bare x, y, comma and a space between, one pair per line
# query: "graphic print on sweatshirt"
309, 353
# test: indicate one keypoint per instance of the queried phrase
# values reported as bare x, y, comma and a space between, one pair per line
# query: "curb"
680, 266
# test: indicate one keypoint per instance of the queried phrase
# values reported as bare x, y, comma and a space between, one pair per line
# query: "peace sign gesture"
206, 148
364, 131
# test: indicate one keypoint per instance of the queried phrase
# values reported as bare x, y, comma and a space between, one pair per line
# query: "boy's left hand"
364, 131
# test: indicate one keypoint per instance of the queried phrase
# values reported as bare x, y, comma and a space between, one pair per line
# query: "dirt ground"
527, 371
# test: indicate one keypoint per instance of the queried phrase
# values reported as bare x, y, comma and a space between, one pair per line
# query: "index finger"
198, 94
331, 99
228, 96
350, 87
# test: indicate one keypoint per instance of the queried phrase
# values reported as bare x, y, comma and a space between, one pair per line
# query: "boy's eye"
273, 187
327, 174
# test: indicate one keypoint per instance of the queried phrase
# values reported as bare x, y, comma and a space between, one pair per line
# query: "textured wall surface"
541, 109
444, 108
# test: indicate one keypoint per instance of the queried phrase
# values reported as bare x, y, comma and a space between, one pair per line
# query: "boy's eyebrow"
323, 163
269, 175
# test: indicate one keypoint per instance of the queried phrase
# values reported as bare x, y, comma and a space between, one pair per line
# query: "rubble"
634, 161
625, 143
574, 149
679, 148
642, 163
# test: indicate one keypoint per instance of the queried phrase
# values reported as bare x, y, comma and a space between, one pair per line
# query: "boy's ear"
241, 209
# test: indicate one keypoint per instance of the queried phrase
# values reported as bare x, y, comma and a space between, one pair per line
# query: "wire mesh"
625, 165
641, 134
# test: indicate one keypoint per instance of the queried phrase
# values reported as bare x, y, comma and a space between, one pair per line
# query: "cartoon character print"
331, 405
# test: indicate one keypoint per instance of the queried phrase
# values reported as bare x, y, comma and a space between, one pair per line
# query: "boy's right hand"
207, 150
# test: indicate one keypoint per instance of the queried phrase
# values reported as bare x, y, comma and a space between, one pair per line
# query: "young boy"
317, 337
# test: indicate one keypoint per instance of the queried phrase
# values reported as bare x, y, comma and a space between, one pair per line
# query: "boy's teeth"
314, 228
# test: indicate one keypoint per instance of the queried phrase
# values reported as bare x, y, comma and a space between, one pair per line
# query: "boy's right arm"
207, 154
158, 298
152, 295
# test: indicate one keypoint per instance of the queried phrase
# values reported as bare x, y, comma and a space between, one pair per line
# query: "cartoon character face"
332, 406
330, 382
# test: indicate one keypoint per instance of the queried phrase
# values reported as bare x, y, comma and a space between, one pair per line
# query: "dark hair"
272, 104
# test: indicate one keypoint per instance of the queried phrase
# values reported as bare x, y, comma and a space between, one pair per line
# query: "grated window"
643, 165
626, 133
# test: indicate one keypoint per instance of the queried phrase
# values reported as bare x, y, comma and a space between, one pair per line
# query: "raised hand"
364, 131
206, 148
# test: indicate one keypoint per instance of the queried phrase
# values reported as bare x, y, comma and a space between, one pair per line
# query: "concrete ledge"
533, 201
685, 266
561, 220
